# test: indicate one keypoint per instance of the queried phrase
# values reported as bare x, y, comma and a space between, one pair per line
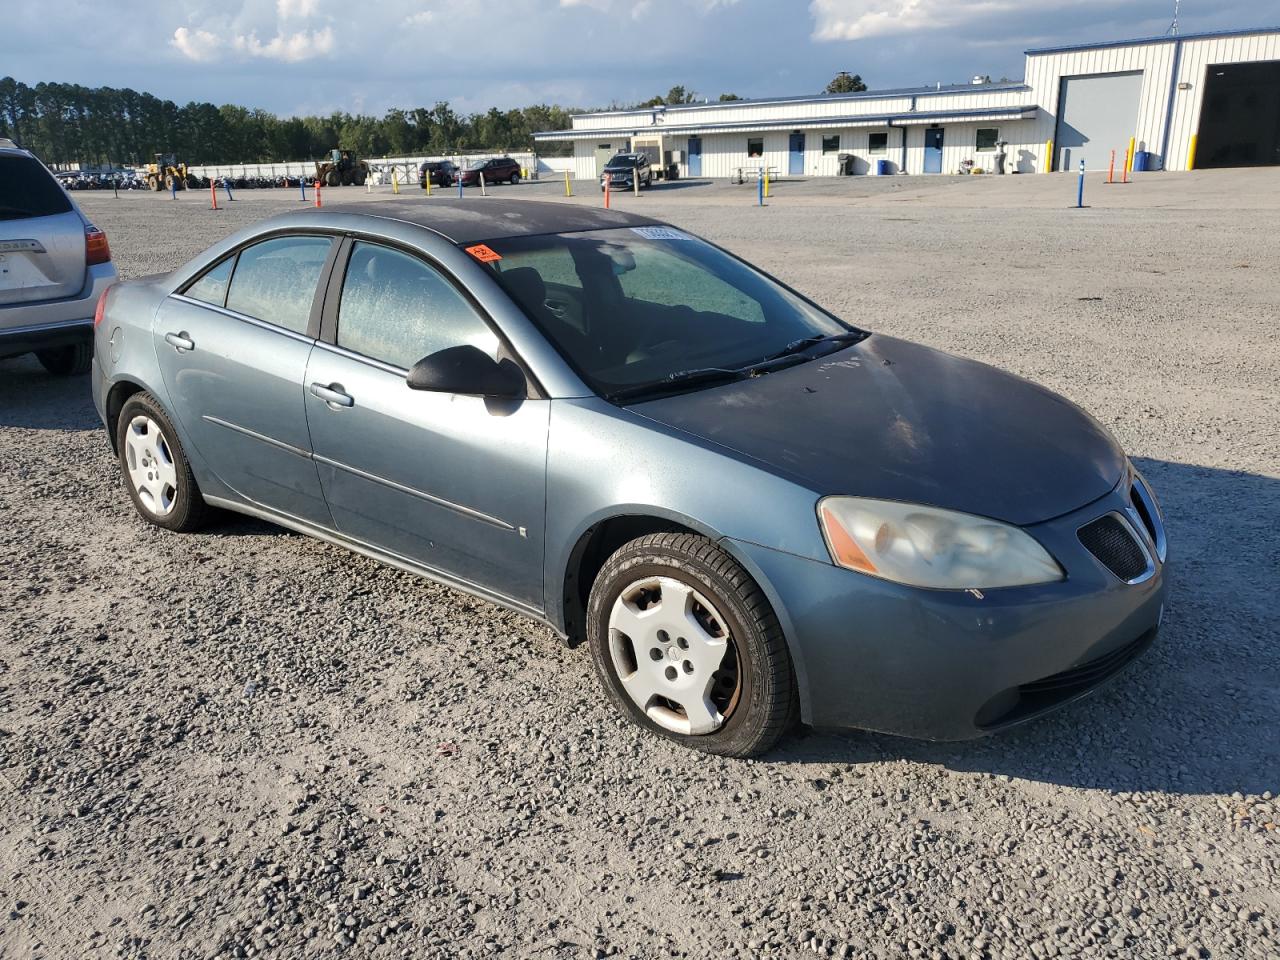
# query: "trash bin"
882, 168
1142, 161
847, 161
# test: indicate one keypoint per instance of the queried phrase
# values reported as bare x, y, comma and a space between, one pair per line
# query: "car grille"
1112, 541
1088, 674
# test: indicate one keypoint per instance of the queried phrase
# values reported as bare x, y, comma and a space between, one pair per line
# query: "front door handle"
332, 395
180, 341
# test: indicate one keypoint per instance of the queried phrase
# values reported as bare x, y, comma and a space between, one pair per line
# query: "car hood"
898, 421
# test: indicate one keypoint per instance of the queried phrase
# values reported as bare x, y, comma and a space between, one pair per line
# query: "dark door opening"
1240, 115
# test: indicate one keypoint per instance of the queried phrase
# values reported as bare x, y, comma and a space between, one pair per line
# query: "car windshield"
27, 190
648, 310
622, 160
476, 164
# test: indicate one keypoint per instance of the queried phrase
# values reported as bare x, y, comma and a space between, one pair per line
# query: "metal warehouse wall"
1157, 62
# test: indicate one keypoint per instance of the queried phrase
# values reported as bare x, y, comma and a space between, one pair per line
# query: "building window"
831, 144
878, 143
755, 146
987, 137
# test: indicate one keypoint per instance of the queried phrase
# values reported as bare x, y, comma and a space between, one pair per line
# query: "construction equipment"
165, 171
341, 169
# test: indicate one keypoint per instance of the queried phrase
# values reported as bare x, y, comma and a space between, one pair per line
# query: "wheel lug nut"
655, 654
671, 673
688, 666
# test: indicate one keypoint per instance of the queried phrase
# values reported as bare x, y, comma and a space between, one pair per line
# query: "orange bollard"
213, 194
606, 191
318, 203
1111, 170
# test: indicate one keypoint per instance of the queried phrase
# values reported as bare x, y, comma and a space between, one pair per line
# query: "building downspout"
1168, 107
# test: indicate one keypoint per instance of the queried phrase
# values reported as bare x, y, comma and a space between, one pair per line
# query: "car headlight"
927, 547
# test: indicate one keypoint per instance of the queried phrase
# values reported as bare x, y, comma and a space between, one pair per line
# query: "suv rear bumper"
25, 327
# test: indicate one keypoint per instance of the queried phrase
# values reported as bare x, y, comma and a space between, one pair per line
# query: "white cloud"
860, 19
289, 48
419, 19
196, 44
288, 9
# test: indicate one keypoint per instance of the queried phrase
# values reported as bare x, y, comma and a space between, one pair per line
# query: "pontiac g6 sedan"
748, 509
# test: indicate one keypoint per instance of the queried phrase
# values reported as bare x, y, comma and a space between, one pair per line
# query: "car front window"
642, 306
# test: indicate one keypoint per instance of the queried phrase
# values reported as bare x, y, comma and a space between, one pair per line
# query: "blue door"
695, 156
933, 150
795, 165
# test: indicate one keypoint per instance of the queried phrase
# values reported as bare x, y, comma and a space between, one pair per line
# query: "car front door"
453, 483
233, 349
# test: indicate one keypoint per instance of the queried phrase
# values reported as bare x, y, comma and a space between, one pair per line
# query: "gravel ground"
245, 743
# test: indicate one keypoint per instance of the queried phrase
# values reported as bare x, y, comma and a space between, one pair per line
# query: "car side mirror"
470, 371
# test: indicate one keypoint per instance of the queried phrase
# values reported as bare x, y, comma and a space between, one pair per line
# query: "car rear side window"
398, 309
212, 287
275, 280
28, 190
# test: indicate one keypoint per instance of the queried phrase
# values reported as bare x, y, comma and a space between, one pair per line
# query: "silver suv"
54, 267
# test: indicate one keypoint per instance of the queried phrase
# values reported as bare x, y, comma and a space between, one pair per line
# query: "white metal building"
1193, 100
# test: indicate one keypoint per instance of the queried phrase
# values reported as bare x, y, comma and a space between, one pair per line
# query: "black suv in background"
623, 168
496, 170
441, 172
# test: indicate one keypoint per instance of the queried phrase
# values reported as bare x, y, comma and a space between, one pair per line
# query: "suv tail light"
101, 308
96, 248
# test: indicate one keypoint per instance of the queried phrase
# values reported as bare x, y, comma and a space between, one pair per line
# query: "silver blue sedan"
748, 509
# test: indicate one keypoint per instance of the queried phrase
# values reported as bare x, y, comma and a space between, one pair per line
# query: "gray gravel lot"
245, 743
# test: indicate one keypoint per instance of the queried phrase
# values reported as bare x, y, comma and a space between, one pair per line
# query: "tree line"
65, 123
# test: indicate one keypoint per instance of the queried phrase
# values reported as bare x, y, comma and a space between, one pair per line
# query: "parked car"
441, 172
54, 267
622, 171
747, 508
495, 170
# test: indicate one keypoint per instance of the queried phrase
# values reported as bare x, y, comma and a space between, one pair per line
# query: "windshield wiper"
804, 343
674, 382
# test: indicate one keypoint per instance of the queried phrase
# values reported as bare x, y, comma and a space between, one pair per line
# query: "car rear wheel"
72, 360
686, 644
515, 178
155, 469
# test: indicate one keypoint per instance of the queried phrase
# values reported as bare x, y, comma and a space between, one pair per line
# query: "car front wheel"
155, 469
686, 644
515, 178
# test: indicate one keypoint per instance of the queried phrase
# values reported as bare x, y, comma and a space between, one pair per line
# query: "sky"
316, 56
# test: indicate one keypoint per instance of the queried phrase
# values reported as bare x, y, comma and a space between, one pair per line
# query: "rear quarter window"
28, 190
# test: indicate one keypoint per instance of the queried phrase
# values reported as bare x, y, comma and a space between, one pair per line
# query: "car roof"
475, 219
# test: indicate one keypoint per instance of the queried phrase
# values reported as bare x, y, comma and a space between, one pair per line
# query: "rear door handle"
180, 341
332, 395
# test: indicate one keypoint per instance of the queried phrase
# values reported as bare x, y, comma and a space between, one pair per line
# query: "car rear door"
233, 350
453, 483
42, 254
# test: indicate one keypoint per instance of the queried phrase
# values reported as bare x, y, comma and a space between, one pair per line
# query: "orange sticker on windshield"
483, 253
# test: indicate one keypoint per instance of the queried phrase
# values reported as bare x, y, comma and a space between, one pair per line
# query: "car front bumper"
25, 327
953, 665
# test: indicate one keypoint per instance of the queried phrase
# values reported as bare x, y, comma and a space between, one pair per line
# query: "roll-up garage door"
1096, 114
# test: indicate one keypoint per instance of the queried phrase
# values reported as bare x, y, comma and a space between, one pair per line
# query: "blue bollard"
459, 183
760, 188
226, 182
302, 185
173, 188
1080, 193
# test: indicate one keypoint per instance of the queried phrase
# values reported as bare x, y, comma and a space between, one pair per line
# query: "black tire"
515, 178
189, 511
73, 360
765, 703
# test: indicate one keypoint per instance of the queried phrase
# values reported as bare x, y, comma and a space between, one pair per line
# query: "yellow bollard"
1191, 151
395, 182
428, 180
766, 183
568, 190
1048, 157
1133, 145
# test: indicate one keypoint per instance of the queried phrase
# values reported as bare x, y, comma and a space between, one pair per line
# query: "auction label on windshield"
484, 253
660, 233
